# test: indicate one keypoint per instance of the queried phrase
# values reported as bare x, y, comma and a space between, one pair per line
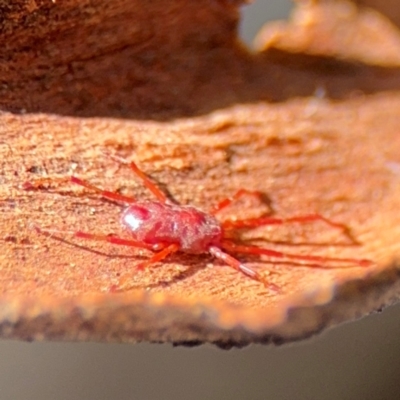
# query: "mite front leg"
104, 193
228, 201
162, 198
91, 236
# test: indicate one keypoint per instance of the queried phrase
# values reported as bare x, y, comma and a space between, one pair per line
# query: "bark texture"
310, 122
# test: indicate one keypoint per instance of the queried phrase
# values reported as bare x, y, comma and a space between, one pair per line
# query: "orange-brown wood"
204, 118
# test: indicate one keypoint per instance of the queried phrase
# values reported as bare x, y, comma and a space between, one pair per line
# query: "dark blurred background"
359, 360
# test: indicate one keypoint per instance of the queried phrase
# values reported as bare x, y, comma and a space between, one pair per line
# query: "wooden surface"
387, 7
328, 143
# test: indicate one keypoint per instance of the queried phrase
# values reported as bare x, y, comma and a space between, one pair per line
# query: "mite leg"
104, 193
113, 240
228, 201
299, 219
122, 283
92, 236
233, 247
160, 255
43, 183
172, 248
236, 264
147, 182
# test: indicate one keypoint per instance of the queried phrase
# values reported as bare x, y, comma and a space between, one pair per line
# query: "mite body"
164, 227
191, 229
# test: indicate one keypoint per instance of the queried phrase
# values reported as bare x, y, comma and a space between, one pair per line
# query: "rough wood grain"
387, 7
334, 152
336, 29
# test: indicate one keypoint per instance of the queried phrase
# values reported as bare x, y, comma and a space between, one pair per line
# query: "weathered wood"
194, 114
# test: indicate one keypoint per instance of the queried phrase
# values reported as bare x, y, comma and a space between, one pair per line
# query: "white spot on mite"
132, 221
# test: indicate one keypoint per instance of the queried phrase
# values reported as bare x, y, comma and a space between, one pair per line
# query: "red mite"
164, 227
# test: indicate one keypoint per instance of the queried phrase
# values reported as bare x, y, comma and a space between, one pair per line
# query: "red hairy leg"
233, 247
38, 183
114, 240
301, 219
236, 264
121, 286
172, 248
228, 201
147, 182
103, 238
165, 251
104, 193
